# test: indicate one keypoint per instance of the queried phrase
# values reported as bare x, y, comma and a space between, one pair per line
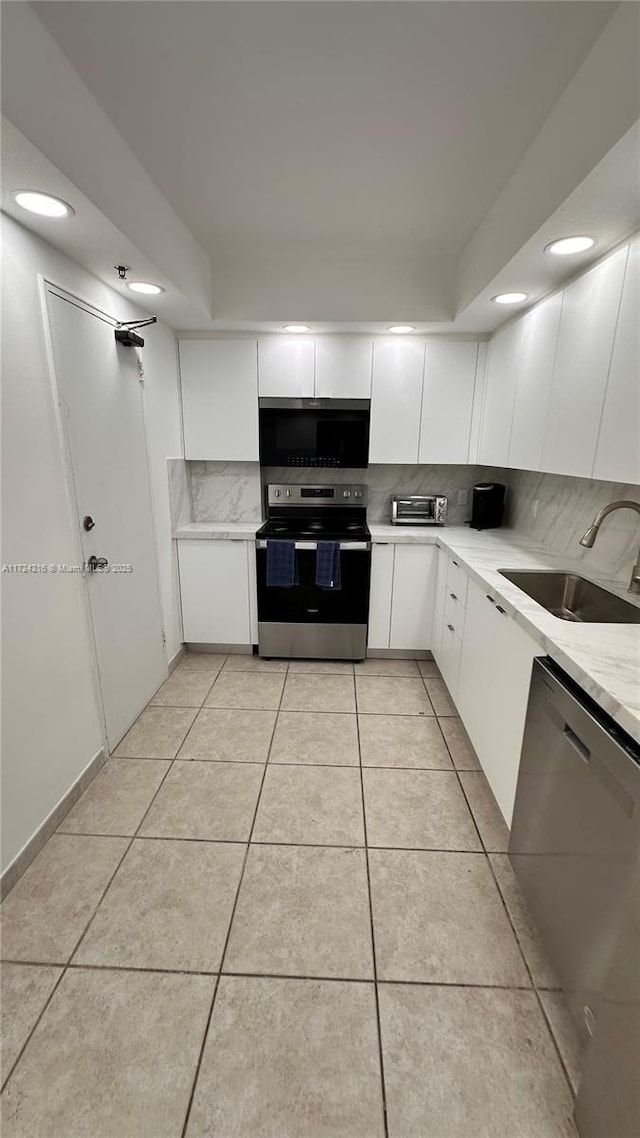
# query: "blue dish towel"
282, 566
328, 565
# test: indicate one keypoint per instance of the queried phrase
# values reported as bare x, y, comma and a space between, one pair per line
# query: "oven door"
307, 621
294, 433
307, 602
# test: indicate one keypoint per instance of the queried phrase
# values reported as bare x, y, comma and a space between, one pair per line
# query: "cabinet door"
585, 341
286, 367
343, 368
618, 450
220, 399
493, 691
499, 397
396, 400
447, 401
214, 587
380, 595
414, 579
537, 342
440, 592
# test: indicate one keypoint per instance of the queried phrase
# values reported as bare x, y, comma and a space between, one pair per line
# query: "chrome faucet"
588, 538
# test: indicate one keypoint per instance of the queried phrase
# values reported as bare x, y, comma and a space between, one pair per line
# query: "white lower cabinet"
493, 690
380, 595
217, 583
414, 578
402, 596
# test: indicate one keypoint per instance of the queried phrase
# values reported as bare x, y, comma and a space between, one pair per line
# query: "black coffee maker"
487, 508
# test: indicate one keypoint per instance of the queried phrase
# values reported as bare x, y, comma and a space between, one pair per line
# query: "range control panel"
294, 494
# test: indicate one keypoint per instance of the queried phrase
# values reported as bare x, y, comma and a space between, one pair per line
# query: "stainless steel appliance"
418, 509
575, 836
314, 432
608, 1104
306, 620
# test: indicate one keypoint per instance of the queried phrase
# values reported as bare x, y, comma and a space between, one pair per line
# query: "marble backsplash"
384, 480
565, 507
225, 491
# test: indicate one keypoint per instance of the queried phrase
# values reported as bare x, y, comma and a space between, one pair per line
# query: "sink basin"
570, 597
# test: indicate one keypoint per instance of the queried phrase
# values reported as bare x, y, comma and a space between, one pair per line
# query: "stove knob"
288, 493
358, 494
346, 493
276, 493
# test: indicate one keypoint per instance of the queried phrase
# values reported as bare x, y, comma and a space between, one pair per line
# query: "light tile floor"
283, 909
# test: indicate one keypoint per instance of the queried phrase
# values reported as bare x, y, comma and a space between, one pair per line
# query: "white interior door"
100, 394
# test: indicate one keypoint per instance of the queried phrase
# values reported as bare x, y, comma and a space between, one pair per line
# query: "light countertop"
603, 658
217, 531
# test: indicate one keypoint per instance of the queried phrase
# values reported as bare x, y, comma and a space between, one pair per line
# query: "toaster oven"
418, 510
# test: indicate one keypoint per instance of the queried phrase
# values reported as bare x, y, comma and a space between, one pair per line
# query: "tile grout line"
231, 919
66, 964
383, 1089
267, 842
316, 978
534, 986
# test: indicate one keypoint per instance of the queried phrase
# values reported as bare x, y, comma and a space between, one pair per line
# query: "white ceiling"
344, 142
347, 165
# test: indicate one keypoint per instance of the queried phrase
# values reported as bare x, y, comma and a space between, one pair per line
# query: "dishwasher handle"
576, 742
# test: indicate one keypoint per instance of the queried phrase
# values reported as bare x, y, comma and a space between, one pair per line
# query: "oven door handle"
347, 546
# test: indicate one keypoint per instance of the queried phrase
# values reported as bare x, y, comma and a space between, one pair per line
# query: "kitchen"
321, 774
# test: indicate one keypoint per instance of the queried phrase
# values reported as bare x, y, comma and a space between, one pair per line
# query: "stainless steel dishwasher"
576, 834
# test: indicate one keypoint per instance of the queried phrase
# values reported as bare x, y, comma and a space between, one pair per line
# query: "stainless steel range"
304, 613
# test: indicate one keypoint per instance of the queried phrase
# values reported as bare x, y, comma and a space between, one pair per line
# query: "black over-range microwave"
314, 432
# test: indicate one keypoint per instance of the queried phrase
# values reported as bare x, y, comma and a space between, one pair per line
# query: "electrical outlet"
463, 497
534, 507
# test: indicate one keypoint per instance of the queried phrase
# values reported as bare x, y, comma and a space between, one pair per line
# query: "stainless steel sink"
570, 597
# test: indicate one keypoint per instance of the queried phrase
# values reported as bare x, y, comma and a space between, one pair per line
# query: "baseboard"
397, 654
227, 649
176, 658
14, 872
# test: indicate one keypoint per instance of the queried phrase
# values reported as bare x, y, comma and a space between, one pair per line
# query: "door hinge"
164, 638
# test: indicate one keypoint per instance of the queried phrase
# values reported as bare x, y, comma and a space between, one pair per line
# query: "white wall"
51, 725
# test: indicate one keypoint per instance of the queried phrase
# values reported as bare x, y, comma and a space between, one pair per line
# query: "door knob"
88, 522
97, 563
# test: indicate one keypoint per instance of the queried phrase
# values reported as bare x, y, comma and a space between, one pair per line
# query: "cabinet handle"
453, 596
491, 600
455, 563
451, 628
500, 609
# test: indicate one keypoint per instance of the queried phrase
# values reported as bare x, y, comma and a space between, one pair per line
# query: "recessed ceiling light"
297, 328
509, 297
145, 287
565, 246
42, 204
399, 329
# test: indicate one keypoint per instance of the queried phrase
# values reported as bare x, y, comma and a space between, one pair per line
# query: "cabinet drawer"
450, 651
454, 613
457, 582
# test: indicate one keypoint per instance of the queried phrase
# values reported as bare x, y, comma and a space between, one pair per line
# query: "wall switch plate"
534, 507
463, 497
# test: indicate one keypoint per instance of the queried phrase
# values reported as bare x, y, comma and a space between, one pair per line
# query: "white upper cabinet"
585, 341
220, 399
286, 367
447, 401
396, 400
618, 451
537, 339
499, 397
343, 368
